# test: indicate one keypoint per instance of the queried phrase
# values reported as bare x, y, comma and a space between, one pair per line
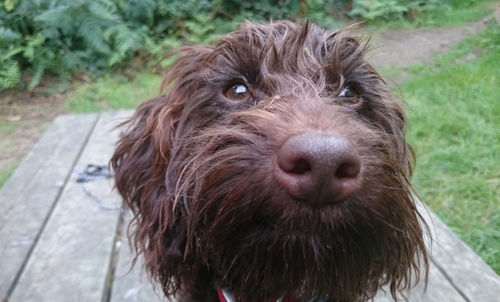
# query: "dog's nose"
317, 167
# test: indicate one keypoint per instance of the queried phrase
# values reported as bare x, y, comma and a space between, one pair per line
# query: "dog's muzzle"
318, 168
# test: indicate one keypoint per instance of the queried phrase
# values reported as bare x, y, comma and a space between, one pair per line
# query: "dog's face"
276, 163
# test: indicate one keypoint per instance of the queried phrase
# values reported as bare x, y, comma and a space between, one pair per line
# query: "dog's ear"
140, 165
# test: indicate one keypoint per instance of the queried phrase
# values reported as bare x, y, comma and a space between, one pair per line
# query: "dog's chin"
247, 268
302, 252
283, 245
291, 216
267, 259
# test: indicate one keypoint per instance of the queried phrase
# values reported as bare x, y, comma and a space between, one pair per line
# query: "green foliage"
65, 37
10, 75
263, 9
57, 36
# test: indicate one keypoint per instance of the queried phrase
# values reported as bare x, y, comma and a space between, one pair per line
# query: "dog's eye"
350, 96
237, 92
347, 92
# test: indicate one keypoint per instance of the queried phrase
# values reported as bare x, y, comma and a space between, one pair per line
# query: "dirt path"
418, 46
27, 114
23, 117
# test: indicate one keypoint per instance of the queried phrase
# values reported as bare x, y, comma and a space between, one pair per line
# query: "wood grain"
28, 197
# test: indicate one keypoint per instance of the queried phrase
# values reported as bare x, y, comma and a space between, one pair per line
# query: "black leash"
91, 173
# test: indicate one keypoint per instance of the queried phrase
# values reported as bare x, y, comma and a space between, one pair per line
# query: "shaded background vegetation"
68, 37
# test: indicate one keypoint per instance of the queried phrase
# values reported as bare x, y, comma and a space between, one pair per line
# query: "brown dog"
276, 165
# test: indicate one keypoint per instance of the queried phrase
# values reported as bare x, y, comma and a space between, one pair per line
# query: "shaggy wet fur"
196, 168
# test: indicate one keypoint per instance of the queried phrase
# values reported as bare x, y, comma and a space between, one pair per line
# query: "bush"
65, 36
62, 37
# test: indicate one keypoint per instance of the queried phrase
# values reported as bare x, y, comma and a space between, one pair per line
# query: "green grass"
458, 12
113, 92
454, 111
6, 127
5, 174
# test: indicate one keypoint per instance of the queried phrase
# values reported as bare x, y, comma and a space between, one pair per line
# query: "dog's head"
275, 163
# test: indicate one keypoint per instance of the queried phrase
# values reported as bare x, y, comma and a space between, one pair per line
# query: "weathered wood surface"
438, 290
69, 247
462, 268
26, 200
131, 283
72, 257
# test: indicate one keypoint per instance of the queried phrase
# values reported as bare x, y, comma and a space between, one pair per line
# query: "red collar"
225, 296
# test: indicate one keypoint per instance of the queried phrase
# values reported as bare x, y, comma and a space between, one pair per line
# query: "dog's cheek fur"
139, 164
141, 161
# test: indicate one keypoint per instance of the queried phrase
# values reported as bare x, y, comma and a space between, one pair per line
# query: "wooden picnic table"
61, 240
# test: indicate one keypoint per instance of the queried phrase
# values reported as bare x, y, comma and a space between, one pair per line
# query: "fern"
7, 36
124, 40
10, 75
37, 76
61, 37
58, 16
91, 32
104, 10
9, 5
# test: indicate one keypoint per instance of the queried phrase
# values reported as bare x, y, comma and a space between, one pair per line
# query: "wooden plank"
463, 268
135, 286
132, 284
438, 290
72, 257
27, 198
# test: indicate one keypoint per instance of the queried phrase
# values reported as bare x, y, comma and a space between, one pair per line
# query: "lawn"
457, 12
454, 112
6, 128
114, 92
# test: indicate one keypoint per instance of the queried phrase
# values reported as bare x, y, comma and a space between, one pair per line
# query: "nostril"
299, 167
318, 168
293, 161
348, 169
